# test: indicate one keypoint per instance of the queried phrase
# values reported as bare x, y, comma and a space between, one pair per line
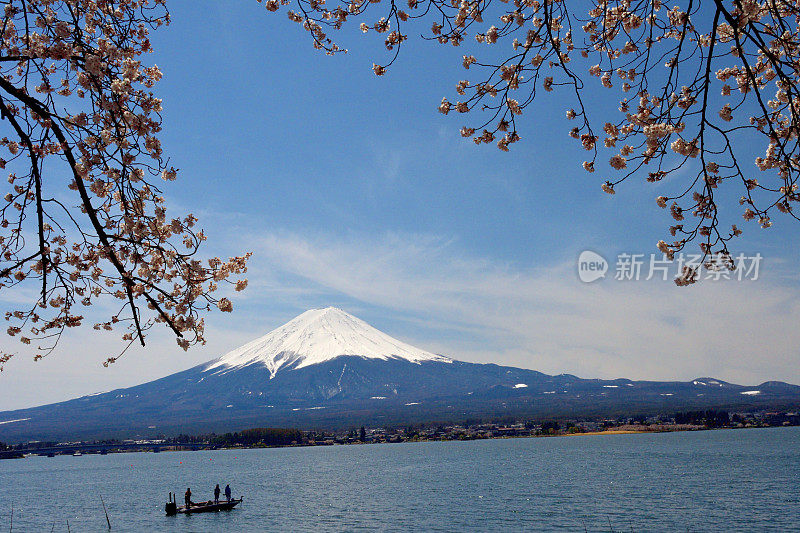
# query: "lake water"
702, 481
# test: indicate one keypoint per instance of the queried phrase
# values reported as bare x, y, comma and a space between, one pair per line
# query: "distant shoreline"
254, 438
624, 432
177, 447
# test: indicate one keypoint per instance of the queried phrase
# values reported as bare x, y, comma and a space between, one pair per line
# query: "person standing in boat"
187, 498
227, 492
216, 494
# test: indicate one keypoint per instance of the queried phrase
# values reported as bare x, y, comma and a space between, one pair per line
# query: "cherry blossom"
700, 84
84, 220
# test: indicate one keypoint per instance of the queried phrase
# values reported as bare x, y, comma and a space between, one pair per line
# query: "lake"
692, 481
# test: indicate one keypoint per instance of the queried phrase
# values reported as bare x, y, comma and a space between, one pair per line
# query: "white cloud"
427, 291
544, 318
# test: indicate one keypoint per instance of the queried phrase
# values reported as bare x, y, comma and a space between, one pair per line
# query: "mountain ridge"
293, 377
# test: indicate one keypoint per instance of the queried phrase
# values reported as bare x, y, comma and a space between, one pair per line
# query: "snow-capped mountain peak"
316, 336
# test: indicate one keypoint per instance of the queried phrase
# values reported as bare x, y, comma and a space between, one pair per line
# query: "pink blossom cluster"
699, 82
76, 94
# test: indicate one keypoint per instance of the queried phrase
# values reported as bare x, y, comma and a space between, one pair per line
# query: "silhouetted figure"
216, 493
228, 492
187, 498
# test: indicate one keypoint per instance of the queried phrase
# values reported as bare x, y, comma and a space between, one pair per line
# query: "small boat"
210, 506
77, 454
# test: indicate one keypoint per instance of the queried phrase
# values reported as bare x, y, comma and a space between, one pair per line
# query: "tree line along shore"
466, 430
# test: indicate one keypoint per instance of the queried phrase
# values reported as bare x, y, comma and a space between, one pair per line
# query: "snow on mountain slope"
316, 336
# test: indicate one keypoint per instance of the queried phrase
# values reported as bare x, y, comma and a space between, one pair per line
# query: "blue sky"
351, 190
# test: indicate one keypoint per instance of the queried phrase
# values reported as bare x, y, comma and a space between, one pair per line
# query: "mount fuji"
318, 336
328, 369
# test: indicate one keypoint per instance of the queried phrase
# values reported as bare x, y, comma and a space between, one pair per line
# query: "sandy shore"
610, 432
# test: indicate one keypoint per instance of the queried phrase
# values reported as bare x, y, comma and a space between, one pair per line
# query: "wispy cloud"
426, 290
543, 317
